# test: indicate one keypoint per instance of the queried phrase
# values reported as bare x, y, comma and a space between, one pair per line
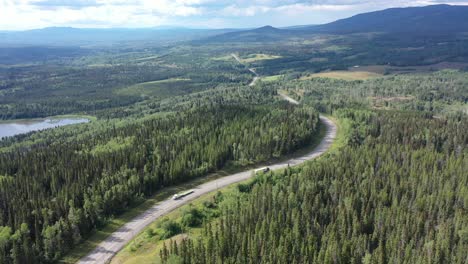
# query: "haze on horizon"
32, 14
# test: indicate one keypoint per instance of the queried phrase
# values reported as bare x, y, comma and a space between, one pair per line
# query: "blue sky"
29, 14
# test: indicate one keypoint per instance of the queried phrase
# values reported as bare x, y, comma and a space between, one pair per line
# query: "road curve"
104, 252
252, 70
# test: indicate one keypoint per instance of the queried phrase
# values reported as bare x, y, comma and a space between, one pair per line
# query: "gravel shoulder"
115, 242
104, 252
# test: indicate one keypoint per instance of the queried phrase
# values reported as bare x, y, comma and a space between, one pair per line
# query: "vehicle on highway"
180, 195
264, 170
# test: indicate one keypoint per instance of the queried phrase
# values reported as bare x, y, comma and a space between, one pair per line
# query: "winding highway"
104, 252
252, 70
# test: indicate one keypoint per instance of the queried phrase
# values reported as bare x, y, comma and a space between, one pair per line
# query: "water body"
11, 128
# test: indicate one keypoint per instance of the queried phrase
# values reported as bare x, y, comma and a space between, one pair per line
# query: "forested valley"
394, 188
95, 83
81, 182
396, 193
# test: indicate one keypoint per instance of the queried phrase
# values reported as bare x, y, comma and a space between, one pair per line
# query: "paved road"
289, 99
236, 58
115, 242
252, 70
255, 79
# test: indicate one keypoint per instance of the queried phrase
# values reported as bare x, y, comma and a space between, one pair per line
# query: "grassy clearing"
259, 57
249, 58
316, 41
145, 248
343, 75
319, 59
148, 58
342, 133
387, 69
114, 145
381, 102
101, 65
272, 78
223, 58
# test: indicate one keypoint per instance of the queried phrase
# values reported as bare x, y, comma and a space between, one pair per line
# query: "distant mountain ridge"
262, 34
66, 36
435, 19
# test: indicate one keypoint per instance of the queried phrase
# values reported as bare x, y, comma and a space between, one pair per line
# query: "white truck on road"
180, 195
264, 170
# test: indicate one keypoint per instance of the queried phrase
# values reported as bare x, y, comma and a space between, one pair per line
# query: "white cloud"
25, 14
236, 11
296, 9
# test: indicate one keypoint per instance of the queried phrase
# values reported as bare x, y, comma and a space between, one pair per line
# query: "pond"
15, 127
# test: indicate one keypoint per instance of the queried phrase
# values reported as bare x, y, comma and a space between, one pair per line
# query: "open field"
249, 58
381, 102
343, 75
222, 58
272, 78
387, 69
259, 57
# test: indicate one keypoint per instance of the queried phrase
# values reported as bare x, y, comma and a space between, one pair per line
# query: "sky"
31, 14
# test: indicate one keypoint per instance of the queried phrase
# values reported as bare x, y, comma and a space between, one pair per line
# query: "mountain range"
432, 19
435, 19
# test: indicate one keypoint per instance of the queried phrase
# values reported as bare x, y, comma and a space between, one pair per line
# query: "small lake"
15, 127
